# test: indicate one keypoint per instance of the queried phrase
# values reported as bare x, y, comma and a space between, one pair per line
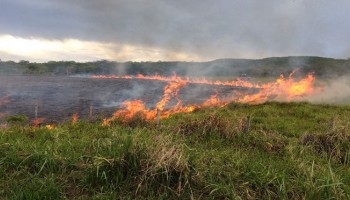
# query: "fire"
106, 122
171, 90
38, 121
302, 87
75, 118
236, 83
132, 108
50, 126
283, 89
213, 101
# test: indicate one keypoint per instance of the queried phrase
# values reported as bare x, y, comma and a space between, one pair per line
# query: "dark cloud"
212, 29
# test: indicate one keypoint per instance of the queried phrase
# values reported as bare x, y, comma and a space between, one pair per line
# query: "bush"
17, 119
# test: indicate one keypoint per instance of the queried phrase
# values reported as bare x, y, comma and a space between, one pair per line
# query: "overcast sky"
82, 30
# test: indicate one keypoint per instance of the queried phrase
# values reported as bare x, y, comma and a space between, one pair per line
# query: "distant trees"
223, 67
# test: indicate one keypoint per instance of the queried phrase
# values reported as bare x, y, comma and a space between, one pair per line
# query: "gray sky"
41, 30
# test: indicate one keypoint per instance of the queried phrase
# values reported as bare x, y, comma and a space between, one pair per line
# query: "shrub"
17, 119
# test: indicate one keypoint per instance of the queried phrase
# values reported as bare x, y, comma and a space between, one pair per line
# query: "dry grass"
166, 164
335, 144
137, 120
211, 124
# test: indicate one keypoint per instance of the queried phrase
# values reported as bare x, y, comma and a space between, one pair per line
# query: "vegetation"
291, 151
268, 67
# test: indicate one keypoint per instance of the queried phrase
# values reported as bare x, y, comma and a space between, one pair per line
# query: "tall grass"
292, 151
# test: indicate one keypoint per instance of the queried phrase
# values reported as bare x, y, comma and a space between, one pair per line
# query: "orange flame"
237, 82
38, 121
50, 126
282, 89
75, 118
171, 90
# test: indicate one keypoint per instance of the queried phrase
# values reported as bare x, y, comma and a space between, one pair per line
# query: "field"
59, 97
291, 151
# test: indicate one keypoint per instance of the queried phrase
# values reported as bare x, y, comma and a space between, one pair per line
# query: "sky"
168, 30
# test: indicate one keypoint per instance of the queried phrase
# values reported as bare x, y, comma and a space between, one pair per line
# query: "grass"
292, 151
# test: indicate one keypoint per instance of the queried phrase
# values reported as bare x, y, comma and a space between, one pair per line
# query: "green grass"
292, 151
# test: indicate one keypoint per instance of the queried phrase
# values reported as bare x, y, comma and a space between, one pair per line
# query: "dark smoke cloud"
210, 29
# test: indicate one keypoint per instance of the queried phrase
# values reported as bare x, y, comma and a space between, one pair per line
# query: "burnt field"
59, 97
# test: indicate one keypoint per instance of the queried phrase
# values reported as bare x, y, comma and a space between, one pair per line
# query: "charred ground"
59, 97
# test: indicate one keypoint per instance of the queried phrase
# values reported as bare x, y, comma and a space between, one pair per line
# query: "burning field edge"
175, 97
283, 89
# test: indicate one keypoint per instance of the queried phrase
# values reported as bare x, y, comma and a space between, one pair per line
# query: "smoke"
335, 91
189, 30
136, 91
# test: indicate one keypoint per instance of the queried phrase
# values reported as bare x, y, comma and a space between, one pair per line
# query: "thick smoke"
335, 91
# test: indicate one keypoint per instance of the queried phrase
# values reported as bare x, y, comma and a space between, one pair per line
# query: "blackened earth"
58, 97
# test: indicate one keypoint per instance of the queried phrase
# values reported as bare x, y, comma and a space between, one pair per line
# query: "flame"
75, 118
236, 83
213, 101
131, 109
50, 126
38, 121
107, 121
283, 89
171, 90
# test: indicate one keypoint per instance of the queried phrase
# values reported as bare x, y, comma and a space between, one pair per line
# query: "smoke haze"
184, 30
336, 91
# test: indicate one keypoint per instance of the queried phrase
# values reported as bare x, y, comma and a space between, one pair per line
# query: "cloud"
207, 29
41, 50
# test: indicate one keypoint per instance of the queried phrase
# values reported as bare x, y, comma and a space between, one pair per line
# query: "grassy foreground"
292, 151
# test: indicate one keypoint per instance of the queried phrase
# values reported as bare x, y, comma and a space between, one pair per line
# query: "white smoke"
335, 91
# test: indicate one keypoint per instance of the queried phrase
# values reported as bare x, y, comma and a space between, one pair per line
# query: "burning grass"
283, 89
201, 155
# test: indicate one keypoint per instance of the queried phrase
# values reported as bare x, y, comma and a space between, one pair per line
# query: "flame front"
283, 89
